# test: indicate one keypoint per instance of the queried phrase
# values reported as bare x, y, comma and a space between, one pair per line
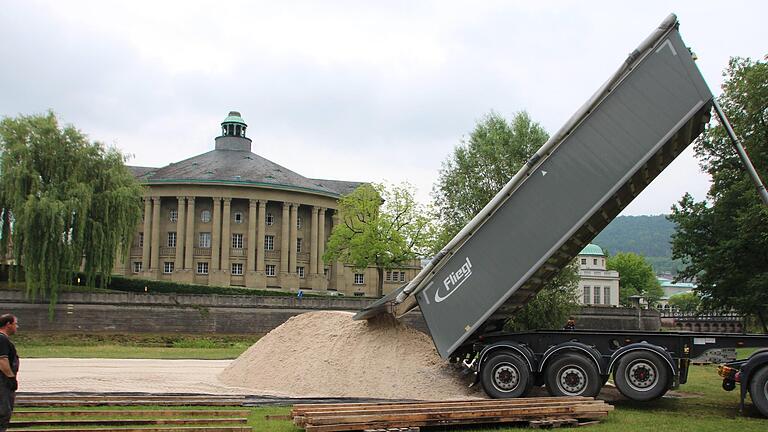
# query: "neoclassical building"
230, 217
597, 286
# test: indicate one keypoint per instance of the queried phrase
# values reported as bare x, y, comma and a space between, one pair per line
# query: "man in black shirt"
9, 366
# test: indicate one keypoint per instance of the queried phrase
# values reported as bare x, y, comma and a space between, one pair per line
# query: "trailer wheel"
641, 376
506, 375
573, 375
758, 390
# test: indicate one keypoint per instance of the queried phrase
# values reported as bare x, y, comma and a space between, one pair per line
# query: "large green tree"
636, 277
379, 226
724, 242
472, 175
67, 203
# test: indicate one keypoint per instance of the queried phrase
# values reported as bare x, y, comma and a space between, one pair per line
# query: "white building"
597, 286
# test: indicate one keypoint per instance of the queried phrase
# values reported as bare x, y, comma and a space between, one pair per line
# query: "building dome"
592, 249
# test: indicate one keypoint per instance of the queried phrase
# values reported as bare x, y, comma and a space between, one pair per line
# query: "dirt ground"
121, 375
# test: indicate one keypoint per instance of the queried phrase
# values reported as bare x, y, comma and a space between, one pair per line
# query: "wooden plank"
47, 396
522, 411
426, 408
362, 417
152, 429
129, 413
42, 404
128, 422
299, 408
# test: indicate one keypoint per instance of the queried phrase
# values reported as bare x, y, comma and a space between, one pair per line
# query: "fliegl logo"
454, 280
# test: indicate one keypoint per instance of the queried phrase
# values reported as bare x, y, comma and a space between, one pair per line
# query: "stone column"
216, 234
321, 249
226, 237
180, 234
313, 244
260, 266
294, 236
189, 243
252, 218
189, 237
147, 234
154, 252
285, 224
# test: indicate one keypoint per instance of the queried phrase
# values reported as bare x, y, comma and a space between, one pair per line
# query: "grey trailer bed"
651, 109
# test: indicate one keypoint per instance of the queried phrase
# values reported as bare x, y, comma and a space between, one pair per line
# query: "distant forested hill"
644, 235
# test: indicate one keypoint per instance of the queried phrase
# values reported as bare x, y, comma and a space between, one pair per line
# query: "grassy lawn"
699, 405
148, 346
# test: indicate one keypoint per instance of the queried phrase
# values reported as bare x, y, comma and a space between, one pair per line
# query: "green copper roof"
234, 117
592, 249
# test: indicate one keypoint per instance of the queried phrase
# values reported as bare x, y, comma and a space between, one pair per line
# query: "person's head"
8, 324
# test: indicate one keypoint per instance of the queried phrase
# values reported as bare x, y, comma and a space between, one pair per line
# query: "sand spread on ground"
327, 354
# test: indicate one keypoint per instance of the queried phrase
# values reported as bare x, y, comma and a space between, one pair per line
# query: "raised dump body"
607, 153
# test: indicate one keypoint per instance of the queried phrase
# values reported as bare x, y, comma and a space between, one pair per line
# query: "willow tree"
70, 204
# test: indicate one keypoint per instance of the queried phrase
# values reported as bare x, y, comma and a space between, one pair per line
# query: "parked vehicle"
631, 129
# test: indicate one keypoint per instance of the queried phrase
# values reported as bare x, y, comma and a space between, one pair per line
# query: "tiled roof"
239, 167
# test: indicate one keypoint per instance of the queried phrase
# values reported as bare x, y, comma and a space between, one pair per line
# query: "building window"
238, 217
298, 222
237, 241
269, 242
137, 266
204, 240
171, 239
298, 245
270, 219
607, 295
402, 276
237, 269
325, 272
202, 268
205, 216
300, 271
141, 239
270, 270
359, 294
173, 215
597, 295
359, 279
168, 267
587, 292
387, 276
583, 261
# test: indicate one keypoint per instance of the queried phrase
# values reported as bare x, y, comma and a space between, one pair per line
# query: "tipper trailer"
631, 129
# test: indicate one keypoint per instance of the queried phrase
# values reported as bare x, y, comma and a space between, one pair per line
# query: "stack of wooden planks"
534, 412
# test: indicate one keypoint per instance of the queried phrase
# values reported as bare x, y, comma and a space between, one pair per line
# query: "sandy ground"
121, 375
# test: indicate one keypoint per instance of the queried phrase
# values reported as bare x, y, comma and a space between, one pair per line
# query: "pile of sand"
327, 354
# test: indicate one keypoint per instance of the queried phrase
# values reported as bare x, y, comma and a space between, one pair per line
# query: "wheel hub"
506, 377
572, 380
642, 375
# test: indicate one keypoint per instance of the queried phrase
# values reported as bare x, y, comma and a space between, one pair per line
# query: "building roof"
592, 249
232, 162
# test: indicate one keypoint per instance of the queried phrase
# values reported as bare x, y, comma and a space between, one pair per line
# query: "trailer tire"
573, 375
641, 376
758, 390
506, 375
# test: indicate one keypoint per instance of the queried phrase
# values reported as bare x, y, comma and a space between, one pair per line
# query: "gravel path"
124, 375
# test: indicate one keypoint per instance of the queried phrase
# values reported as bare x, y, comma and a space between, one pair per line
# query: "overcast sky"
349, 90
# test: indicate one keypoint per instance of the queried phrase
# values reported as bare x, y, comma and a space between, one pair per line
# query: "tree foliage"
725, 243
379, 226
636, 277
552, 306
685, 302
478, 168
66, 203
